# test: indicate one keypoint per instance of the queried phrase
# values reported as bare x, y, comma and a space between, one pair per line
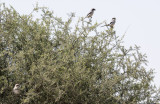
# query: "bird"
90, 14
16, 89
112, 23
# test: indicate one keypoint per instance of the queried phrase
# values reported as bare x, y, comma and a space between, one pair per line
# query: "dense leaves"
59, 62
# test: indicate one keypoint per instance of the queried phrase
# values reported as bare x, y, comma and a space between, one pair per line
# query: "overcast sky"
141, 19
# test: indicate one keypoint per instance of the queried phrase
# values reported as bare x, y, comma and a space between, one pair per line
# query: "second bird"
112, 23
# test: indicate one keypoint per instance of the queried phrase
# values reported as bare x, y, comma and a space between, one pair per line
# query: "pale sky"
141, 19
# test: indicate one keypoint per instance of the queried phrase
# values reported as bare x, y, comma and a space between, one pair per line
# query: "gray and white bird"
16, 89
90, 14
112, 23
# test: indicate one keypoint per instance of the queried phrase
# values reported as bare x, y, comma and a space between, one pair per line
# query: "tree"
57, 62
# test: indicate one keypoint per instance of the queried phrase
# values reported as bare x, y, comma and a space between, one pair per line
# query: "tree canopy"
61, 62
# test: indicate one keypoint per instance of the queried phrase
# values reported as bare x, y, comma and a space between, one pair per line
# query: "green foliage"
57, 62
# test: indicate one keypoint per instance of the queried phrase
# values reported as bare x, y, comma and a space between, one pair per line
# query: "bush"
57, 62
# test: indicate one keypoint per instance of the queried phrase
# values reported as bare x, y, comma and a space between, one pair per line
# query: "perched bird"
90, 14
16, 89
112, 23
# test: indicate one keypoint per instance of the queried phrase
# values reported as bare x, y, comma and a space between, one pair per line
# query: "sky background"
140, 19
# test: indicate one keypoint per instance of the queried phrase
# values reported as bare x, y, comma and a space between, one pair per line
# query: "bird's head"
93, 9
17, 86
113, 18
